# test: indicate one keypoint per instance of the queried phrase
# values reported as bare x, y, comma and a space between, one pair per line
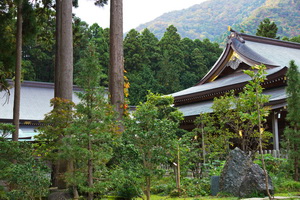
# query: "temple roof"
230, 80
254, 50
241, 52
277, 99
35, 101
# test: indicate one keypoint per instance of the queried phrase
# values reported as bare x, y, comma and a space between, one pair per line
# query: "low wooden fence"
275, 153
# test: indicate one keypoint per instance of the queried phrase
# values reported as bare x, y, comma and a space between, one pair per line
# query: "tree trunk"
63, 68
148, 186
178, 171
90, 172
116, 69
58, 49
261, 147
65, 72
17, 95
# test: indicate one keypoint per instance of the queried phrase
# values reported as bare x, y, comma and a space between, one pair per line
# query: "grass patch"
158, 197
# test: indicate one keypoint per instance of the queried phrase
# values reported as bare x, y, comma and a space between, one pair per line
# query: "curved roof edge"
237, 42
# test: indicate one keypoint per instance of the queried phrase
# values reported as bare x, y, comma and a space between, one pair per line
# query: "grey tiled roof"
225, 81
279, 55
35, 101
205, 106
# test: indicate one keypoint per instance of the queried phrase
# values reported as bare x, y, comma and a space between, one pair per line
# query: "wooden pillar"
275, 131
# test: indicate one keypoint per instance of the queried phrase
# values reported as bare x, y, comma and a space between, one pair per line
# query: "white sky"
135, 12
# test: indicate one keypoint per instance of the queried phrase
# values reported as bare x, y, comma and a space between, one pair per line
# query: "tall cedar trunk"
116, 69
17, 96
57, 48
55, 174
63, 70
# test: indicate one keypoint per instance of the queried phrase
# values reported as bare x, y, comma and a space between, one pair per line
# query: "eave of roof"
277, 99
255, 50
223, 85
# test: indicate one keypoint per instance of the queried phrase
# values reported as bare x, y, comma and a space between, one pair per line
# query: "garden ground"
288, 196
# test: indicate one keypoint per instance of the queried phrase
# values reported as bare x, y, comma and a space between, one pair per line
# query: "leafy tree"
151, 49
254, 97
24, 176
267, 28
171, 65
293, 39
235, 119
292, 131
140, 83
151, 135
100, 37
133, 51
92, 131
51, 133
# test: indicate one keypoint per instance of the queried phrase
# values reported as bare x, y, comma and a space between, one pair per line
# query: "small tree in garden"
292, 131
51, 133
234, 117
92, 131
253, 97
151, 136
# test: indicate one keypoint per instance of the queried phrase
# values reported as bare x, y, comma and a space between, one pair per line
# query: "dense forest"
211, 18
162, 66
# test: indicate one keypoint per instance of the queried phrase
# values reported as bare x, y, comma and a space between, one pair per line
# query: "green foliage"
6, 129
150, 136
281, 172
54, 128
292, 131
234, 118
267, 28
26, 177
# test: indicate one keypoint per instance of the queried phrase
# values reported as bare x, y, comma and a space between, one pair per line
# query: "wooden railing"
276, 153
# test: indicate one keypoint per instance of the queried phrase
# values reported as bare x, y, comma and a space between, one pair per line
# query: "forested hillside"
211, 18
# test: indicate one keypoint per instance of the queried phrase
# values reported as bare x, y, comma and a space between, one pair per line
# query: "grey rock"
241, 177
59, 195
254, 183
234, 172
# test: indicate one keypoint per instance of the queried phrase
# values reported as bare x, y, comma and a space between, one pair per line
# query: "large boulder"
241, 177
254, 183
234, 171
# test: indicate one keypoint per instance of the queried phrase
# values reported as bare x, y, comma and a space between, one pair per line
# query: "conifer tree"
292, 131
268, 29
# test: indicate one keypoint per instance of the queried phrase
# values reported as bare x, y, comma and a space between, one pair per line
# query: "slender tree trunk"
17, 95
116, 69
261, 148
58, 49
178, 170
148, 186
90, 172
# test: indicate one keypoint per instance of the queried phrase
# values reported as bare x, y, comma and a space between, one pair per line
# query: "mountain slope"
210, 19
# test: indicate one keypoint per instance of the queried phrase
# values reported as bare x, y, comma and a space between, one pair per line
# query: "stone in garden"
234, 171
241, 177
254, 183
59, 195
